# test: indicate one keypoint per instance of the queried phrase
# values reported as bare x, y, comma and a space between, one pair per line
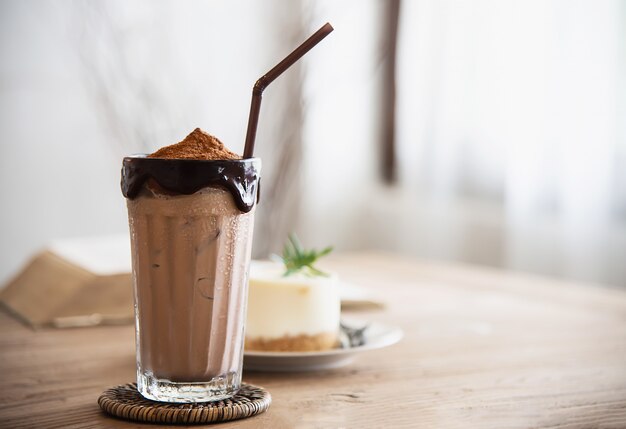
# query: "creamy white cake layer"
293, 305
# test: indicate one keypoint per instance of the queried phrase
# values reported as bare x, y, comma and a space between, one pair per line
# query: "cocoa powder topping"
197, 145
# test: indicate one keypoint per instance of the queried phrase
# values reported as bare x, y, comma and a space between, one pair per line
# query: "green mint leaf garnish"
298, 260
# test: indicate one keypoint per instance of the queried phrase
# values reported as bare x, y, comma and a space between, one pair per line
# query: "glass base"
219, 388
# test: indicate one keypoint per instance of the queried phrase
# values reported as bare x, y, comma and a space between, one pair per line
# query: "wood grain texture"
482, 348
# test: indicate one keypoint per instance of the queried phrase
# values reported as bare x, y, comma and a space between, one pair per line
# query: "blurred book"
75, 282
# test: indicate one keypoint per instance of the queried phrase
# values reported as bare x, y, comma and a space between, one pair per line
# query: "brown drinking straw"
267, 78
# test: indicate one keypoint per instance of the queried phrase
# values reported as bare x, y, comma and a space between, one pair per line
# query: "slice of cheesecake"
293, 313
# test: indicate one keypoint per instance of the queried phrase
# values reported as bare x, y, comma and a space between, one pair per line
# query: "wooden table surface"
482, 349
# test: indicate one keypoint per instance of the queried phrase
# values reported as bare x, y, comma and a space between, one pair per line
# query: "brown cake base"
298, 343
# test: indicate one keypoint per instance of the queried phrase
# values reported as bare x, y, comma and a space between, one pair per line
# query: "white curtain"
511, 131
84, 83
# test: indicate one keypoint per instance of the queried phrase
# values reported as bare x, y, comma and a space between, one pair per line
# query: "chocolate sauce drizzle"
186, 176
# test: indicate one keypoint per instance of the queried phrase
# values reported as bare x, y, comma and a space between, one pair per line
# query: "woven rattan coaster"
125, 402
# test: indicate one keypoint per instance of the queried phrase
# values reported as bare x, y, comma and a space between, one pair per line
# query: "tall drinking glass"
191, 225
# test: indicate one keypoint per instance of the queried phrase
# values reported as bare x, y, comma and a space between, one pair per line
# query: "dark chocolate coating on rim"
186, 176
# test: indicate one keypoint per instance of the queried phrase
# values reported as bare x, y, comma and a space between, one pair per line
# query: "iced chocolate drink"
191, 214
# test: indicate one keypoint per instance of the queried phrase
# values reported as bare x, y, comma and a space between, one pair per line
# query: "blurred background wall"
488, 132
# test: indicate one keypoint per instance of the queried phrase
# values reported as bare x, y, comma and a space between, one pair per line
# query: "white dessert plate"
376, 336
